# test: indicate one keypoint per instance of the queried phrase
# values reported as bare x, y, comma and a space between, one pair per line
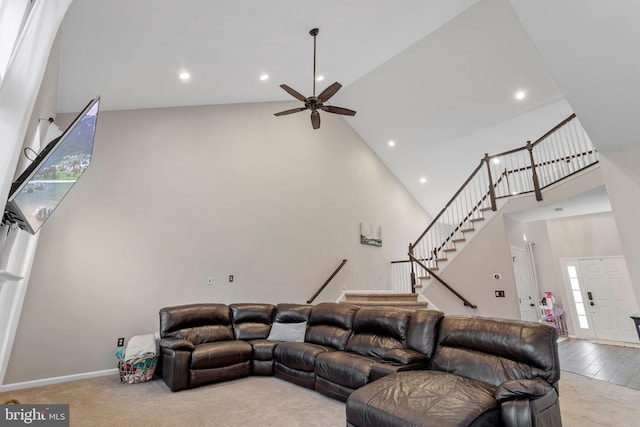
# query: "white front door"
602, 298
525, 285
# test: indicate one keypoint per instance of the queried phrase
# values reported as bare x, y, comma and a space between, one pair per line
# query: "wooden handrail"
465, 301
433, 222
538, 141
324, 285
558, 126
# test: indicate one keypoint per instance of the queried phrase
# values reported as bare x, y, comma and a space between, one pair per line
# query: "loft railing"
324, 285
563, 151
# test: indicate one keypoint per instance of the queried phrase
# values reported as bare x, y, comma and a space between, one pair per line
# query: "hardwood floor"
610, 363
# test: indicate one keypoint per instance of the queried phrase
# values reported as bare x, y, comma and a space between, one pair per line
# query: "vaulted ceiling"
438, 77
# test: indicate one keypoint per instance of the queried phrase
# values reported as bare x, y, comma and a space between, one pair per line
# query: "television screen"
43, 185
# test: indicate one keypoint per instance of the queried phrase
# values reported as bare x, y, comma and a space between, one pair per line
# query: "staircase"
562, 152
380, 299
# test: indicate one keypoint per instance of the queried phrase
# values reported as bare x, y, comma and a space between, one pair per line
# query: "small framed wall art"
370, 234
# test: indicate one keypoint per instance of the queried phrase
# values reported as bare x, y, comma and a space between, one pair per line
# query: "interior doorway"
602, 298
526, 284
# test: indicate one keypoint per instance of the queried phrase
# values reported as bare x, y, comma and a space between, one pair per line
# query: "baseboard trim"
57, 380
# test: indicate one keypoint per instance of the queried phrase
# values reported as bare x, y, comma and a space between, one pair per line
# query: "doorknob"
591, 303
590, 296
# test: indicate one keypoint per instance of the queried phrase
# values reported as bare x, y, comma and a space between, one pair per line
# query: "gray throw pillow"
288, 331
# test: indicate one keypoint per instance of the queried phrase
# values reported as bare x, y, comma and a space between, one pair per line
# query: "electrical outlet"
120, 342
230, 278
210, 281
499, 294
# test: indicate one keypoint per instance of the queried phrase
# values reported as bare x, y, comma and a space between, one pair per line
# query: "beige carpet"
268, 401
254, 401
588, 402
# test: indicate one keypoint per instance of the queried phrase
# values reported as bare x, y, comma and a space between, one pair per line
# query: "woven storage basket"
138, 372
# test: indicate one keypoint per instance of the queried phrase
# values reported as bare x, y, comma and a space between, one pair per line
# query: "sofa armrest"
176, 344
518, 389
404, 356
534, 411
174, 368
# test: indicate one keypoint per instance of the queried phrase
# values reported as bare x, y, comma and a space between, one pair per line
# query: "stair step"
468, 229
394, 304
364, 297
486, 208
458, 239
424, 277
476, 219
440, 259
449, 249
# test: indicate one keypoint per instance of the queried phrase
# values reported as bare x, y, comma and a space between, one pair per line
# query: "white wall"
176, 195
584, 236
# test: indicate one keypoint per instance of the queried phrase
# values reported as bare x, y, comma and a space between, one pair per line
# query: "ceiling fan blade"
329, 92
338, 110
294, 93
291, 111
315, 119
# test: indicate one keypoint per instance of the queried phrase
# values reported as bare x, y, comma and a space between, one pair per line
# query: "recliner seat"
252, 323
328, 330
376, 347
198, 346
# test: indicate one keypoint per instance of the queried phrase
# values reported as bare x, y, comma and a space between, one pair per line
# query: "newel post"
536, 182
413, 273
492, 190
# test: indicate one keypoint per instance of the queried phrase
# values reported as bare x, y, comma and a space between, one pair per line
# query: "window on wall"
577, 296
13, 15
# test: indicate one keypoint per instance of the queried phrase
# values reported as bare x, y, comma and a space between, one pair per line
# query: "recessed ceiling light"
184, 75
496, 161
264, 77
423, 180
520, 94
320, 78
391, 143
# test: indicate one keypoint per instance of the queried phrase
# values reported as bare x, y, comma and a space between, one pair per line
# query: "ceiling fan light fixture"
315, 103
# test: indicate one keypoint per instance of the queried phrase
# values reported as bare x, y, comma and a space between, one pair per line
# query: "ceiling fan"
315, 103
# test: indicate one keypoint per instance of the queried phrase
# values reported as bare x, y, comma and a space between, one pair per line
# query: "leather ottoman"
426, 399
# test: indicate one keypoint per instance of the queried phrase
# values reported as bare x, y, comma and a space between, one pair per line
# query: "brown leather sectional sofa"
393, 367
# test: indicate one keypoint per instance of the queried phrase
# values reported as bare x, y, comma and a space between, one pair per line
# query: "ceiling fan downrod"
314, 32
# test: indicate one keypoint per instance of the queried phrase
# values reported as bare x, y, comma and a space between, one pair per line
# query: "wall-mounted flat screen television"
43, 185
